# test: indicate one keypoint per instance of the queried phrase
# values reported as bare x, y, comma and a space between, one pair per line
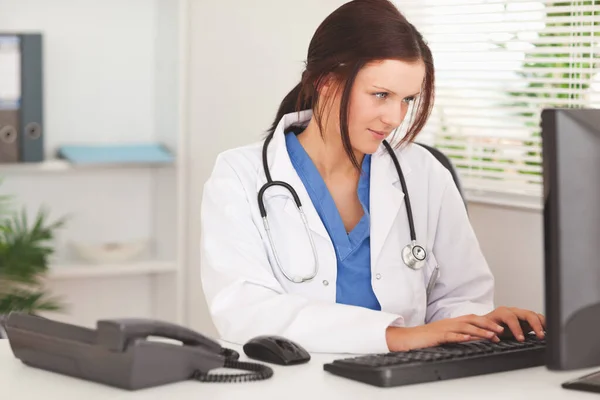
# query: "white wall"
512, 241
245, 57
98, 62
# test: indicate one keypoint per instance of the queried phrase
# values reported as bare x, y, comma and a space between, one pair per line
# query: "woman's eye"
381, 95
409, 99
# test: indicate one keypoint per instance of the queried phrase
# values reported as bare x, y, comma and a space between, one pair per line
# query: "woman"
340, 279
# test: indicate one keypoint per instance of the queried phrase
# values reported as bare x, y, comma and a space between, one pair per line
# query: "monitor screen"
571, 168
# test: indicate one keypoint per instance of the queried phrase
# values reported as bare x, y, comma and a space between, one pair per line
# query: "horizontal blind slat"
516, 38
493, 97
517, 167
494, 11
569, 90
420, 4
491, 142
521, 178
499, 155
444, 21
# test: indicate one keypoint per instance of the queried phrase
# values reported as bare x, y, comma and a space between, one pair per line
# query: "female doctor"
335, 232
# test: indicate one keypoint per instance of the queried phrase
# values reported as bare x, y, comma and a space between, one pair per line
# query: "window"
498, 64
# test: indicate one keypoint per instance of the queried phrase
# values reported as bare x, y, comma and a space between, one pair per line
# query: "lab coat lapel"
387, 199
281, 169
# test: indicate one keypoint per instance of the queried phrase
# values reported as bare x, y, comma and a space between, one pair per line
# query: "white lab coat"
248, 296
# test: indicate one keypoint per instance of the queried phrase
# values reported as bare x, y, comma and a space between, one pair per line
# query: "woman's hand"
514, 318
451, 330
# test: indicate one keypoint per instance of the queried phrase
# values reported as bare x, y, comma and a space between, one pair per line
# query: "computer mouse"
276, 350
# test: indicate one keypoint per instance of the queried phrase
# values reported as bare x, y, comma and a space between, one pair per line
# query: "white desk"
305, 382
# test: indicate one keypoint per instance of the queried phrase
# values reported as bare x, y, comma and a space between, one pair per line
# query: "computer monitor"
571, 169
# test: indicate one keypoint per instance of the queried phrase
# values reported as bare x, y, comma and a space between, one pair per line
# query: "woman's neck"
327, 152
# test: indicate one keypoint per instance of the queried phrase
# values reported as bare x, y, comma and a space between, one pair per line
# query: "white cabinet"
114, 72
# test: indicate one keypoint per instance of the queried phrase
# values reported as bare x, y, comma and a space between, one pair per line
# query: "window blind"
498, 64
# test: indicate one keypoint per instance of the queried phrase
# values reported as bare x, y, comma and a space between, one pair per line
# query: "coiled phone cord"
258, 372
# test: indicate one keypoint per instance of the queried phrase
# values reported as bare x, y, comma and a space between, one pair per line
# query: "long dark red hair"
355, 34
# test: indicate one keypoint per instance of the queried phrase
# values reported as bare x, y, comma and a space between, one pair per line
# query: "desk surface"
306, 382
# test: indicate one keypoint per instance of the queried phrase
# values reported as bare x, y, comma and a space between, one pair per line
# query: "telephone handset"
115, 334
118, 352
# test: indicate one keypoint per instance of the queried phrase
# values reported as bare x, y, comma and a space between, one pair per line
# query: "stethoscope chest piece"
414, 256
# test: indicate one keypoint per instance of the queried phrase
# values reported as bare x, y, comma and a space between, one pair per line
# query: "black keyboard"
448, 361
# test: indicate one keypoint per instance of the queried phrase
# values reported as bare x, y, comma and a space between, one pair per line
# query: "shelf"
82, 271
58, 165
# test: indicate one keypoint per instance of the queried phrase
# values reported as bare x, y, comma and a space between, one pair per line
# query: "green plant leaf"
24, 252
21, 300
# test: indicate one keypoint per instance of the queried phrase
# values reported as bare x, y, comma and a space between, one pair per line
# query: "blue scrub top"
353, 249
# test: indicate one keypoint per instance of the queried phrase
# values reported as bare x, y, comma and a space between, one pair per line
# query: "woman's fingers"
474, 327
534, 322
454, 337
542, 319
481, 327
470, 329
513, 323
484, 323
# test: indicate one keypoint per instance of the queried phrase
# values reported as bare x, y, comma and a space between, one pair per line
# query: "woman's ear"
329, 90
326, 84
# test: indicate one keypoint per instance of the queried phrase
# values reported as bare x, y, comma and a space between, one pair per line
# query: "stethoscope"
413, 254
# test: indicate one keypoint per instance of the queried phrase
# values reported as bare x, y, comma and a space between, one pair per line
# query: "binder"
21, 98
9, 122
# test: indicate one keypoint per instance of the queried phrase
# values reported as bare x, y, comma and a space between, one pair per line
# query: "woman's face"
380, 98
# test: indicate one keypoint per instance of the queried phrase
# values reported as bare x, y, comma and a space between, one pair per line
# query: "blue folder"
116, 154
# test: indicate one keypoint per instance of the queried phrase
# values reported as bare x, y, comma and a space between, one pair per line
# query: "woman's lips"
378, 134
